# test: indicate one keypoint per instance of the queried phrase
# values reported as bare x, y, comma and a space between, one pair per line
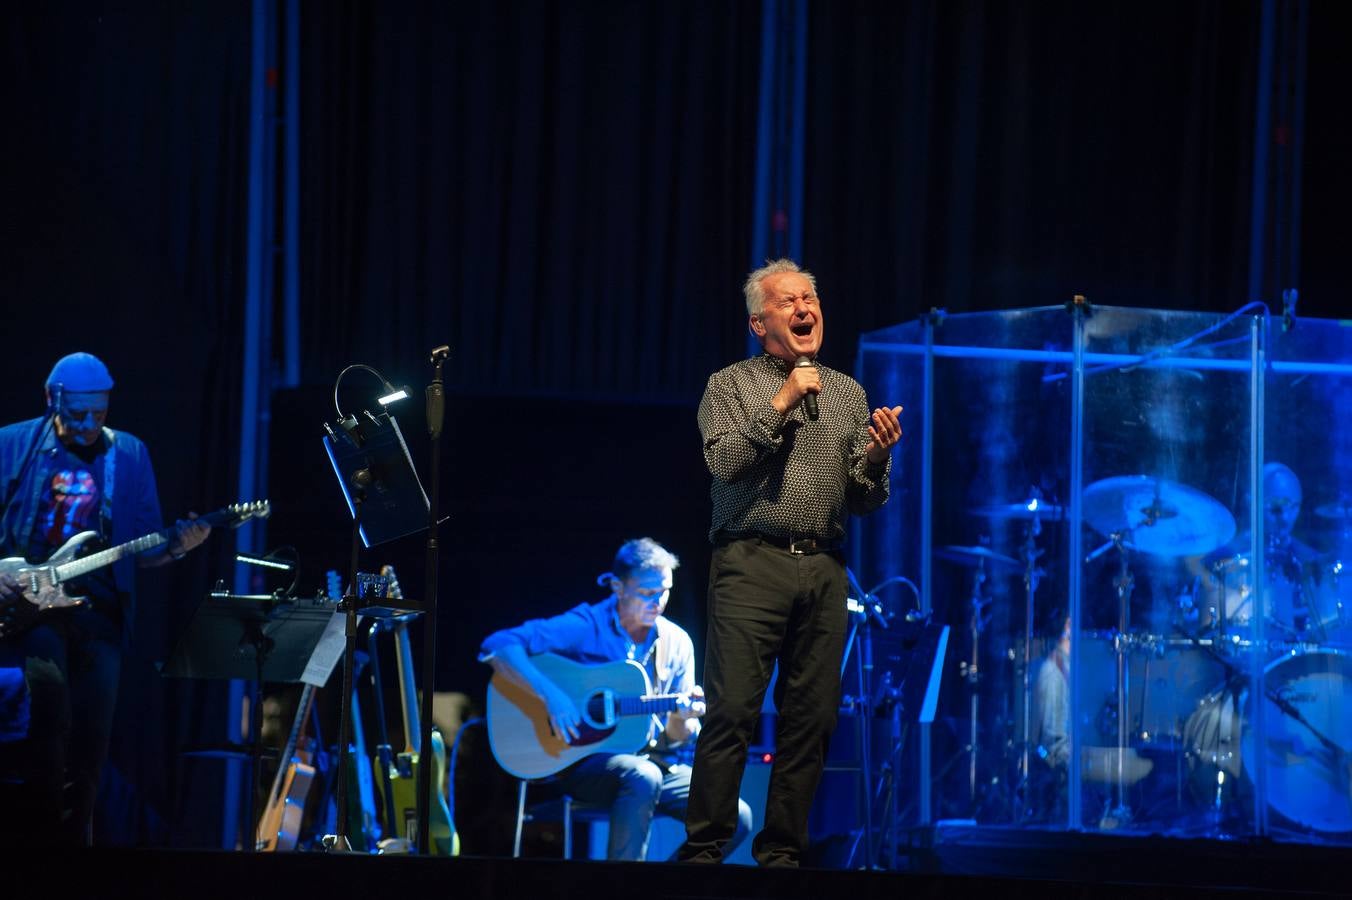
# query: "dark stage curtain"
560, 191
992, 155
123, 215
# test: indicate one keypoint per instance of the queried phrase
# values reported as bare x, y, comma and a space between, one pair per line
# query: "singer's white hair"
755, 292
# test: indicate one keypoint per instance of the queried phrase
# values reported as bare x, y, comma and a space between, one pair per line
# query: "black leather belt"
797, 545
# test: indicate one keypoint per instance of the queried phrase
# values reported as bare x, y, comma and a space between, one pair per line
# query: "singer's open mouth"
802, 329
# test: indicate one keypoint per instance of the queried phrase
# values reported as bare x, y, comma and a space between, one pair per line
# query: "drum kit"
1186, 695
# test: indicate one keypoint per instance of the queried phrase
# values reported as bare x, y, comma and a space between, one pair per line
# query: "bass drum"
1309, 731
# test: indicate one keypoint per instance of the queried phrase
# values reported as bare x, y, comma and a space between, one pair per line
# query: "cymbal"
1340, 510
1158, 516
976, 556
1026, 509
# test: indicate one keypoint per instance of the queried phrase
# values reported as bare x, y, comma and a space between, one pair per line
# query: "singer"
793, 451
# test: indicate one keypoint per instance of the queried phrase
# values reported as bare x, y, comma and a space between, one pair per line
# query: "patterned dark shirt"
787, 475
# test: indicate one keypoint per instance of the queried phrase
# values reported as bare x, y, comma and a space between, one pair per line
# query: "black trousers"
766, 604
49, 779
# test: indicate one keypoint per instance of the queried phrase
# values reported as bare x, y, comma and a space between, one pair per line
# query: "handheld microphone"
809, 400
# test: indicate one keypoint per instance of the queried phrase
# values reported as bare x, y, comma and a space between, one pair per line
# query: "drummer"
1288, 558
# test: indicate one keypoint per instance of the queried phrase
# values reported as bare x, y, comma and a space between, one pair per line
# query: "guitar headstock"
393, 591
236, 514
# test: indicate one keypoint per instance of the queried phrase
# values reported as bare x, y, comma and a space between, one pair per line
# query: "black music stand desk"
258, 638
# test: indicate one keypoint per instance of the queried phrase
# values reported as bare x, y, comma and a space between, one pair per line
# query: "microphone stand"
12, 488
436, 409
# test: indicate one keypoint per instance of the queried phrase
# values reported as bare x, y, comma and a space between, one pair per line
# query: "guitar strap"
109, 470
661, 665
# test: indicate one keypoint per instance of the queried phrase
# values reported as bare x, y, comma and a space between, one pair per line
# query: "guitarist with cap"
539, 665
62, 475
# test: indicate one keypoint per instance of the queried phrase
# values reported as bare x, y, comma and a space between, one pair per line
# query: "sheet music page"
328, 651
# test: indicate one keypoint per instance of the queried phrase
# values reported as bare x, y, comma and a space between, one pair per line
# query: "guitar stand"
258, 638
380, 607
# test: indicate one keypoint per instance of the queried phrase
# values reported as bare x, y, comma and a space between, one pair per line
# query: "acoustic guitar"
279, 825
615, 700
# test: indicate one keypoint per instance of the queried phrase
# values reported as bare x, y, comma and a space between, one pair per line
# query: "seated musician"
1050, 734
1295, 608
626, 625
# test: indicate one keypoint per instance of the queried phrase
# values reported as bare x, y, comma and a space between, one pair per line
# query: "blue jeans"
636, 789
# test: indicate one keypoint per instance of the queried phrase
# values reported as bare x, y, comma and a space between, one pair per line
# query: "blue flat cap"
80, 373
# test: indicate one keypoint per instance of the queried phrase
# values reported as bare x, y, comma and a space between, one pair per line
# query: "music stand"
252, 637
911, 664
375, 471
387, 501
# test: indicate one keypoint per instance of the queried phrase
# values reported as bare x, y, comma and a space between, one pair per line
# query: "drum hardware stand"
972, 672
1123, 583
1032, 575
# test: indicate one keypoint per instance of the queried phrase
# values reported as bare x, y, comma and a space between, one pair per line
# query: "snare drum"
1309, 727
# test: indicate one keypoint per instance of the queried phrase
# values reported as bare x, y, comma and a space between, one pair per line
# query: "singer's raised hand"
884, 431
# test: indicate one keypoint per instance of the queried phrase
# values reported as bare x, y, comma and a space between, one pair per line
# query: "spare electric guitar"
363, 830
615, 700
403, 778
44, 584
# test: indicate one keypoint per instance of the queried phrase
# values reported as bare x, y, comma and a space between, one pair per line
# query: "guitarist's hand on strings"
692, 706
188, 533
564, 718
9, 588
681, 725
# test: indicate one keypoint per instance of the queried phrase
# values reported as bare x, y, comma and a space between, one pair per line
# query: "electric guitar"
44, 584
403, 779
279, 826
363, 832
615, 699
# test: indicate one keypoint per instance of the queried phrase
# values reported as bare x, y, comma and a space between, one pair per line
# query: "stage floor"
982, 861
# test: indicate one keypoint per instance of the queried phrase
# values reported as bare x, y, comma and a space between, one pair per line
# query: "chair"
563, 808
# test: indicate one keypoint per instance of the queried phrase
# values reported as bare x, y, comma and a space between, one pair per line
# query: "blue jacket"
136, 503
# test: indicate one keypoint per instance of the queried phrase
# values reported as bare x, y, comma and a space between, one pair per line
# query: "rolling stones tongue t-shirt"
71, 501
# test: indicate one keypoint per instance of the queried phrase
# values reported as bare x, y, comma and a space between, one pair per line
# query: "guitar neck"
239, 512
408, 689
86, 564
302, 712
289, 751
646, 706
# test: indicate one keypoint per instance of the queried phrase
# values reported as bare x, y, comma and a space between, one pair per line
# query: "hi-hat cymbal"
977, 556
1158, 516
1026, 509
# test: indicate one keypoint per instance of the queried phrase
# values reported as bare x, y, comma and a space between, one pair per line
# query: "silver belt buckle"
803, 546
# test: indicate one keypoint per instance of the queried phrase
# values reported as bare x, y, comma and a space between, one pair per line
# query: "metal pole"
1257, 659
1074, 795
256, 314
927, 547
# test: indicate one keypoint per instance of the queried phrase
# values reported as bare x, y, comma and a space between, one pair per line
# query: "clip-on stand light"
387, 501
